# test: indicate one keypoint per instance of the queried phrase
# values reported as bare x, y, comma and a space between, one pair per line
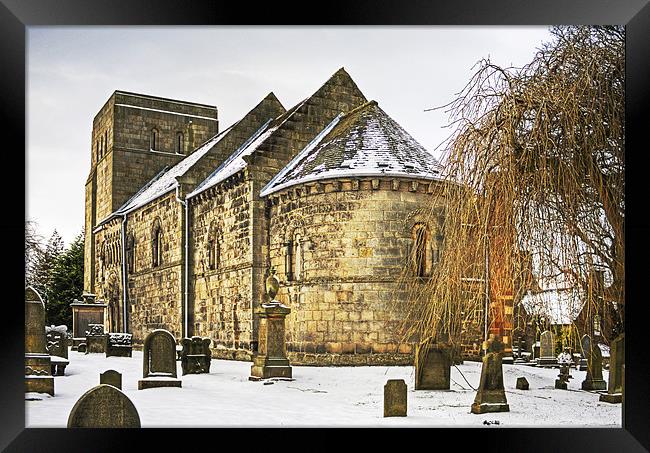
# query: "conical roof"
363, 142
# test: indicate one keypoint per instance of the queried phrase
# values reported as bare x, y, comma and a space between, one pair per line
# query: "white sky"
72, 71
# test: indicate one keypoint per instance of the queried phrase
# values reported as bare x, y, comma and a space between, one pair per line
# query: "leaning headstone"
432, 366
522, 383
196, 355
104, 406
491, 396
111, 377
547, 350
615, 385
594, 379
119, 345
271, 357
38, 364
95, 339
395, 404
159, 361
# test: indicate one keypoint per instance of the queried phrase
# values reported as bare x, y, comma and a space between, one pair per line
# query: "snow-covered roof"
236, 162
166, 180
560, 306
363, 142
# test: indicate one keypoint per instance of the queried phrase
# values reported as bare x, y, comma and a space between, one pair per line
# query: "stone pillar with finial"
271, 357
38, 364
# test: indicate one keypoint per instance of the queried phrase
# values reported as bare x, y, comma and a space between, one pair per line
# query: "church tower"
134, 137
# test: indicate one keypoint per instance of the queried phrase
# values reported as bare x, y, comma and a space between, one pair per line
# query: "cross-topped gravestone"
38, 365
104, 406
547, 350
594, 379
159, 361
616, 360
432, 366
491, 396
111, 377
395, 398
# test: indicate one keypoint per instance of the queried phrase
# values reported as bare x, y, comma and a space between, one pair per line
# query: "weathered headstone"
594, 379
522, 383
81, 347
195, 355
547, 350
88, 311
38, 365
119, 345
159, 361
111, 377
432, 366
57, 347
271, 358
491, 396
615, 385
95, 339
395, 398
104, 406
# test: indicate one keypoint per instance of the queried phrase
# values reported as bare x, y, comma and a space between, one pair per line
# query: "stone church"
185, 220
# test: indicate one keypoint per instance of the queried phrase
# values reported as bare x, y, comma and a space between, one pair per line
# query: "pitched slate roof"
166, 180
363, 142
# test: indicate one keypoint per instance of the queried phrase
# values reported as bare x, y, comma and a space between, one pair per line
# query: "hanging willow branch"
534, 188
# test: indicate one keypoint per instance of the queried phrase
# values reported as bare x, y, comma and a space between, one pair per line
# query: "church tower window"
156, 244
179, 143
153, 139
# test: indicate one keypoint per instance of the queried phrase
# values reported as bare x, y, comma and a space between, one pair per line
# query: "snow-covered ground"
323, 396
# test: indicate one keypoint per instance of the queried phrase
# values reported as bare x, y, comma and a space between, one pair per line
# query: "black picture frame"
16, 15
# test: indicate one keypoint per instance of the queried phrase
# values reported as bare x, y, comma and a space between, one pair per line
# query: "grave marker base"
144, 384
613, 398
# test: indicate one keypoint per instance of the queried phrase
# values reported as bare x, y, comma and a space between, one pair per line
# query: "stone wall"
355, 238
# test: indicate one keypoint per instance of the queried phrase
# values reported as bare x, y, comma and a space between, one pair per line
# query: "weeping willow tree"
534, 186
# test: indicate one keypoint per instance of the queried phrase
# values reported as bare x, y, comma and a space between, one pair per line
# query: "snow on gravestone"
104, 406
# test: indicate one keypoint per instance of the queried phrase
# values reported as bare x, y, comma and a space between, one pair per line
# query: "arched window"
153, 140
297, 257
214, 248
156, 244
422, 251
130, 253
179, 143
105, 140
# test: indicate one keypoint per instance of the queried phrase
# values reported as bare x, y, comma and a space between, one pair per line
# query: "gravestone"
591, 351
395, 398
111, 377
95, 339
196, 355
615, 385
432, 366
88, 311
547, 350
271, 359
491, 396
119, 345
81, 348
38, 364
159, 361
522, 383
104, 406
57, 347
565, 359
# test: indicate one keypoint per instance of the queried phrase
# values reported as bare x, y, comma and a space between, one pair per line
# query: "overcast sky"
72, 71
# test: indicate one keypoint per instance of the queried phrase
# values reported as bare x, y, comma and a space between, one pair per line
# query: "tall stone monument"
159, 361
271, 358
594, 379
491, 395
616, 360
38, 365
104, 406
88, 311
432, 366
